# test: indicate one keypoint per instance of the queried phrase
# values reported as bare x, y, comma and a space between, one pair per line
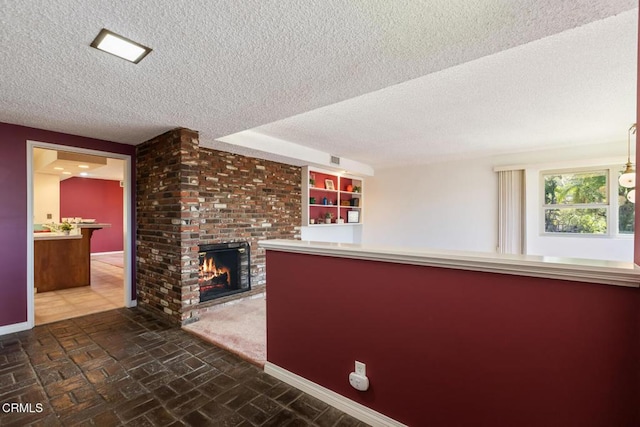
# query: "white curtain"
511, 214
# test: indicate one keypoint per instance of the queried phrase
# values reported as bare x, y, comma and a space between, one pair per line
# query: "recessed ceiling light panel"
122, 47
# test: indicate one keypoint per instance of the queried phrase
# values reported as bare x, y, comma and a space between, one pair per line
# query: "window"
579, 202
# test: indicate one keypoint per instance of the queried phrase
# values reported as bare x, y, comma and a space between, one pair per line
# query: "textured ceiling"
573, 89
221, 67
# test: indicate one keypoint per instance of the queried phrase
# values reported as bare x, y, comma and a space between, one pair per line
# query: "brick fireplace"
188, 196
223, 269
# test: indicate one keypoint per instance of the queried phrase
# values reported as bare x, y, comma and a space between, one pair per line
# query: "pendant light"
628, 177
631, 196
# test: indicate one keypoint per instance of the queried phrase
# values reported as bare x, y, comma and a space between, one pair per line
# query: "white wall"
46, 198
334, 233
453, 205
449, 205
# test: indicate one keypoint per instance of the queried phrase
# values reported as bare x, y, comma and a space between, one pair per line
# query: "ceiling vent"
335, 160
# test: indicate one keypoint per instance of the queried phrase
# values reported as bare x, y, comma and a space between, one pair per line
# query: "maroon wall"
448, 347
13, 210
99, 199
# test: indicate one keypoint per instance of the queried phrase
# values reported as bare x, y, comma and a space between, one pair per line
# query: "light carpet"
240, 328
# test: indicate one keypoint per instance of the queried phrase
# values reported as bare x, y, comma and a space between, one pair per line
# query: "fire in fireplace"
224, 269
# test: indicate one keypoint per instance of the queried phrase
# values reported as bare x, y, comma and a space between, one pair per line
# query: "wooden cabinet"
330, 198
63, 262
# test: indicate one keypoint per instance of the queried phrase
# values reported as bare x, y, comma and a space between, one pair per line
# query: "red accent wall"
448, 347
13, 210
99, 199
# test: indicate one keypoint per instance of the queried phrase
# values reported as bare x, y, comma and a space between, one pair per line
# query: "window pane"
569, 220
575, 188
626, 212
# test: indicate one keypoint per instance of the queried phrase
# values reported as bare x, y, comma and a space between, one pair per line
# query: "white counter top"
574, 269
56, 236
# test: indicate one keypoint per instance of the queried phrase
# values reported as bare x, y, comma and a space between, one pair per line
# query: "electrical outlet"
358, 382
49, 216
361, 369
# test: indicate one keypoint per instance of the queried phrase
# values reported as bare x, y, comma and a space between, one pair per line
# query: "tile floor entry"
105, 293
127, 367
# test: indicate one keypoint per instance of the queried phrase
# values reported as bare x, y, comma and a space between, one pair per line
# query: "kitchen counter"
56, 236
63, 261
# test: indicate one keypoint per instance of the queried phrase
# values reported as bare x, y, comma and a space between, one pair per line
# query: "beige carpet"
240, 328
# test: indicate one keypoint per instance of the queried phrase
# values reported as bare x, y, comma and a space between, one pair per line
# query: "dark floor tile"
289, 396
237, 396
126, 367
260, 409
329, 417
282, 418
308, 406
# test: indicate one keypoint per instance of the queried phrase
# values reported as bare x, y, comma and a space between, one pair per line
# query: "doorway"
56, 176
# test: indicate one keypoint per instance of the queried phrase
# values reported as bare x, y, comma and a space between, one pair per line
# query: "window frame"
612, 206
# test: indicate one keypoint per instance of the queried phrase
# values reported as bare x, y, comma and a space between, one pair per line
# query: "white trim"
338, 401
128, 226
255, 141
574, 269
584, 163
16, 327
30, 288
107, 253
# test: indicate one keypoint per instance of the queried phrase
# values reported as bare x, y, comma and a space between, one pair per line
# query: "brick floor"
125, 367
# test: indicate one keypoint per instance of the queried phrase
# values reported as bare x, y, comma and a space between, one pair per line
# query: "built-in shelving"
330, 193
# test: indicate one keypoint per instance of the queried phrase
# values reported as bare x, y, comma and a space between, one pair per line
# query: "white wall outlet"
361, 369
359, 382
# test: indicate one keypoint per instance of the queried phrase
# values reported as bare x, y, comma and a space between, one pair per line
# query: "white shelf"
324, 190
333, 224
318, 210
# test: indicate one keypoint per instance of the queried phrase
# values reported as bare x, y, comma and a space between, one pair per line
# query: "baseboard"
132, 303
108, 253
355, 409
16, 327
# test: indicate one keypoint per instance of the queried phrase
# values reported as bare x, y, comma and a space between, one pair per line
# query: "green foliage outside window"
573, 190
579, 203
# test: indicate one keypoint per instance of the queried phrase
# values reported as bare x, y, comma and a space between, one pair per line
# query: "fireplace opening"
224, 269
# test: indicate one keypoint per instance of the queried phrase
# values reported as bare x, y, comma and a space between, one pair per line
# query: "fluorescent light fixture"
66, 173
58, 168
122, 47
83, 166
84, 174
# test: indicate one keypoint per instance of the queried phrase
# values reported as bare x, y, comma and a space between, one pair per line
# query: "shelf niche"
325, 192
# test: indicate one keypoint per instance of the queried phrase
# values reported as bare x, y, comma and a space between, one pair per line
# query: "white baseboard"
108, 253
132, 303
16, 327
332, 398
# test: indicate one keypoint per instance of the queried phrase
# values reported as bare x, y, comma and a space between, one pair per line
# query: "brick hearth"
189, 195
